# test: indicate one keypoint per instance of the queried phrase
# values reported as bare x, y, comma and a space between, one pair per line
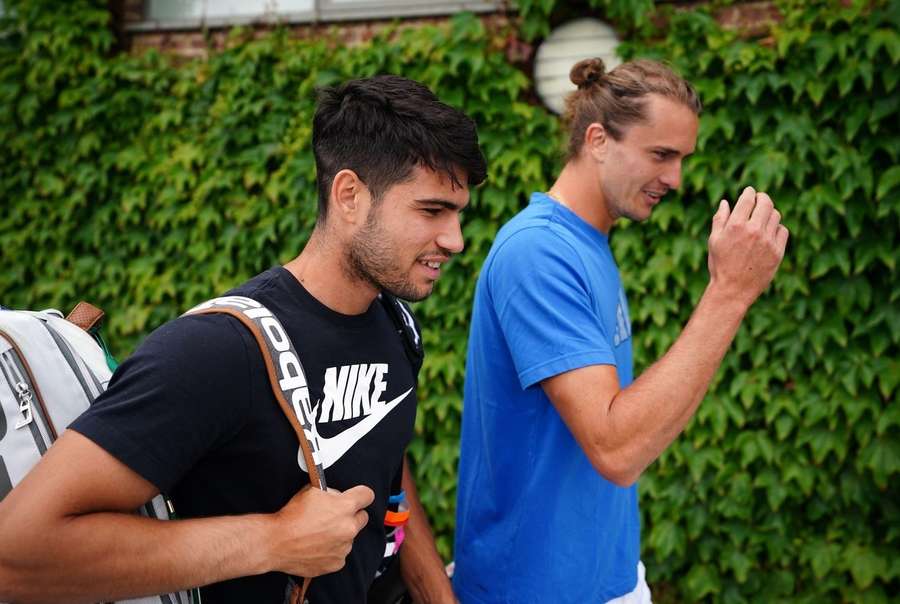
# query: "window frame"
323, 11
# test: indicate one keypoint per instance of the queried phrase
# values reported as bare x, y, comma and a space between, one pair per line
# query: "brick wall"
199, 43
753, 18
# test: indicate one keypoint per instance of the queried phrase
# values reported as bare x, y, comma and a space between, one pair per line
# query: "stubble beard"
618, 209
370, 259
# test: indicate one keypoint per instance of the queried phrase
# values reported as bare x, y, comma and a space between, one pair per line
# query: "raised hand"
746, 246
314, 531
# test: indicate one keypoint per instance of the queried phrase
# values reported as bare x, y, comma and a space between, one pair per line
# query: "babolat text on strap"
288, 381
285, 371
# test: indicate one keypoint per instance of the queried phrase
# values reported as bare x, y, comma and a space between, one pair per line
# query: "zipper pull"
25, 399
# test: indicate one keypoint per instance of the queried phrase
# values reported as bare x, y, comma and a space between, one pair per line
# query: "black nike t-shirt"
192, 411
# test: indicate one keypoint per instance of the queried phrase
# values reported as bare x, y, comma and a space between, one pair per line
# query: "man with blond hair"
555, 432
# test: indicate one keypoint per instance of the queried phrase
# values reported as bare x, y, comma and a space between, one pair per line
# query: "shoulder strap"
406, 327
286, 374
288, 381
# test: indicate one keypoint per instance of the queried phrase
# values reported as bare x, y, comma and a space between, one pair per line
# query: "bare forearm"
109, 556
59, 541
623, 430
654, 409
420, 564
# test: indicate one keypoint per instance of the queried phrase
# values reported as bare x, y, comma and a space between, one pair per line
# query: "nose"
450, 238
671, 177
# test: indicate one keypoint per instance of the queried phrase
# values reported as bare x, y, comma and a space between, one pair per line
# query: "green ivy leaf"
823, 557
738, 563
702, 580
864, 565
888, 181
888, 39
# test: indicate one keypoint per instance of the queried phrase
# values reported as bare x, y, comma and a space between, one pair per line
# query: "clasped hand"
746, 246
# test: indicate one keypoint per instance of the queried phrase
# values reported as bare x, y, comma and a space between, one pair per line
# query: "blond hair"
616, 99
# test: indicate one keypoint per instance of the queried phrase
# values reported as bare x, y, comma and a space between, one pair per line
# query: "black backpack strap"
407, 327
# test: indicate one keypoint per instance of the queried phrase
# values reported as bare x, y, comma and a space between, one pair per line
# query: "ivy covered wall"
147, 185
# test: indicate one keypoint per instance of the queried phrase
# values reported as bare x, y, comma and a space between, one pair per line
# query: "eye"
432, 211
661, 154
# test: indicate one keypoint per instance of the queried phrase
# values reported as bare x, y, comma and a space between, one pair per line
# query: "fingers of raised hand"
720, 218
744, 205
762, 210
773, 223
781, 238
761, 225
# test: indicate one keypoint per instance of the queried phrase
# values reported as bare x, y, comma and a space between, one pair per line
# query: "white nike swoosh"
332, 449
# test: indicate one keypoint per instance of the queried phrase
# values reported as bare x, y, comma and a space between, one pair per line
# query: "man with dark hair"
191, 413
555, 434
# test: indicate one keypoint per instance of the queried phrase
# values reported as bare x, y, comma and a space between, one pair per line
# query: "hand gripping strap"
286, 376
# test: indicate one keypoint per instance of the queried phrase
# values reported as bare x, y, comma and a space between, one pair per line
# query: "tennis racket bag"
51, 370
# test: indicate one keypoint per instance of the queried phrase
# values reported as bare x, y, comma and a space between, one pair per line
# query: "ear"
595, 141
350, 197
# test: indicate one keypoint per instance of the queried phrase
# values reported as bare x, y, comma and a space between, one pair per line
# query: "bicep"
75, 477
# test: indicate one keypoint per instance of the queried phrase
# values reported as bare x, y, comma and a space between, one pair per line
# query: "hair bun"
587, 72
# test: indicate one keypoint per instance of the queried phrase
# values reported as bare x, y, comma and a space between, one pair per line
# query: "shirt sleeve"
545, 307
185, 390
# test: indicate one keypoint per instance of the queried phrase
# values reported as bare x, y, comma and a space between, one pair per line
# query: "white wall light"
565, 46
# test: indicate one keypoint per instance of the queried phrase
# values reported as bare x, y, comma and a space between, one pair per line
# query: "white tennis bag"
51, 370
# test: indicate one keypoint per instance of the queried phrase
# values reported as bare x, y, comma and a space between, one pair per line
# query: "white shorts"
641, 593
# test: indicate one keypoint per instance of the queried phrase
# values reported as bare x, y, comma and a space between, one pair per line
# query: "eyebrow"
445, 203
671, 151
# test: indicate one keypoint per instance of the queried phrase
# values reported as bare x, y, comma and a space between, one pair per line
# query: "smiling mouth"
655, 196
432, 265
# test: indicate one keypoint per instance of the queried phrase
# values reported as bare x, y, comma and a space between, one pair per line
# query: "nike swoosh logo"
332, 449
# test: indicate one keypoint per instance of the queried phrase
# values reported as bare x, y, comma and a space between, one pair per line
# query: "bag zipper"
21, 392
24, 398
25, 375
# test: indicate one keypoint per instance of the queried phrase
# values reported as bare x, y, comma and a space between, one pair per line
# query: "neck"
321, 270
578, 188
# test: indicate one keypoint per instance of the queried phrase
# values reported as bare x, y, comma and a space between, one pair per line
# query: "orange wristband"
396, 518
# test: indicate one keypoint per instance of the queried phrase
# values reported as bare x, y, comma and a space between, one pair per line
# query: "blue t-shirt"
535, 521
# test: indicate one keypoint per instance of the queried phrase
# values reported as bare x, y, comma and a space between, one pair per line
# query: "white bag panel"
62, 393
90, 383
84, 345
49, 369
